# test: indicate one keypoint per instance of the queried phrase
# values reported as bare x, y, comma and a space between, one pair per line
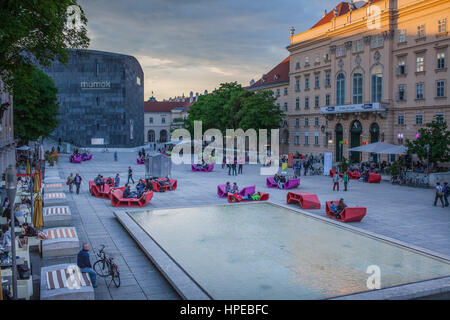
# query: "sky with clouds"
194, 45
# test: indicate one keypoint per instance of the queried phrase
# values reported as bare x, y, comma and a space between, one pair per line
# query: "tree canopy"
35, 105
232, 107
437, 137
38, 31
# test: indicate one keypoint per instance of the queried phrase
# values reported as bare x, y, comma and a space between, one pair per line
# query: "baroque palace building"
367, 72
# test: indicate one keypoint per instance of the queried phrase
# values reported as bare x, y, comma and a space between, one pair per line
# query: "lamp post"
11, 187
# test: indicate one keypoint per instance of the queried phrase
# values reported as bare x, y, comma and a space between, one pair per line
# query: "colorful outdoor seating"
354, 175
306, 200
157, 185
333, 172
374, 178
96, 192
86, 156
290, 184
75, 158
349, 214
117, 199
232, 198
243, 193
207, 168
140, 161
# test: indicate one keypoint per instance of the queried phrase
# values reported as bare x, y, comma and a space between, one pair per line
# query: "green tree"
38, 31
233, 107
437, 137
35, 105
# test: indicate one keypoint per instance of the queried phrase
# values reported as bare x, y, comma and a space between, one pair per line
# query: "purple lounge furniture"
290, 184
208, 168
140, 161
244, 192
75, 159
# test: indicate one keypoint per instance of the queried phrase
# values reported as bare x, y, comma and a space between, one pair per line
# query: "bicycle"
105, 267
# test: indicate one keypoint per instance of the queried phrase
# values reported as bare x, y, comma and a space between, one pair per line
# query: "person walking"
446, 193
240, 168
70, 181
84, 263
115, 156
117, 181
229, 169
336, 181
439, 194
233, 167
345, 178
130, 175
77, 181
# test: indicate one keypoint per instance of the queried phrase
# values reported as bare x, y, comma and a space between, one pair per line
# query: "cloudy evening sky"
193, 45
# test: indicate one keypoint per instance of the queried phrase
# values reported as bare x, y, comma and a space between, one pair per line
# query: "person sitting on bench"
340, 208
128, 194
276, 178
148, 184
254, 197
140, 188
109, 181
235, 188
227, 187
282, 182
164, 182
100, 183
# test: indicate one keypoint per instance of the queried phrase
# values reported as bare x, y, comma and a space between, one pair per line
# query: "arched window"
358, 83
151, 136
163, 136
340, 89
377, 83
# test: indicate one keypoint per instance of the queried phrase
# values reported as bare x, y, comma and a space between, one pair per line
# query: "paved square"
403, 213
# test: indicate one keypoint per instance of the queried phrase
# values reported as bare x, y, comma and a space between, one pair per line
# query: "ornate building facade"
368, 72
7, 143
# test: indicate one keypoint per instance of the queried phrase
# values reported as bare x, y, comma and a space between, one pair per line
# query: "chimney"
325, 13
196, 96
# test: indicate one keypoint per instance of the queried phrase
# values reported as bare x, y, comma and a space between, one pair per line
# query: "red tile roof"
166, 106
277, 75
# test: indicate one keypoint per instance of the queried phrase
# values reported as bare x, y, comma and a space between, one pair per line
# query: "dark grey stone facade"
101, 95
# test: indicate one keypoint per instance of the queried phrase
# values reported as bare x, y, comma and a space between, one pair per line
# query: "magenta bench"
290, 184
244, 192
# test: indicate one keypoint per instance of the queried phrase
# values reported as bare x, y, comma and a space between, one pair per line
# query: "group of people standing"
442, 194
74, 180
233, 168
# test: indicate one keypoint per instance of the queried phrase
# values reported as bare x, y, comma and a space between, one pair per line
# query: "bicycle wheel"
102, 268
116, 278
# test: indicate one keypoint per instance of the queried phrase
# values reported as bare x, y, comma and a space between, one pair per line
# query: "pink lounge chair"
89, 156
306, 200
75, 159
117, 199
140, 161
350, 214
244, 192
290, 184
208, 168
232, 198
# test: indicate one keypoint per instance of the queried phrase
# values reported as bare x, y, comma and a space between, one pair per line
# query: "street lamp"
11, 187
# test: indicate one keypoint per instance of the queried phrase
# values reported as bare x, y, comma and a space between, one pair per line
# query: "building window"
285, 91
306, 138
440, 60
297, 66
377, 84
328, 79
307, 83
297, 104
439, 117
297, 138
401, 36
297, 122
358, 46
316, 121
419, 119
307, 62
150, 120
278, 92
138, 81
306, 122
327, 100
357, 88
401, 66
316, 101
420, 91
401, 119
285, 106
340, 51
440, 88
377, 41
340, 89
306, 102
163, 120
317, 81
401, 92
421, 31
442, 25
278, 105
316, 138
297, 85
326, 57
420, 63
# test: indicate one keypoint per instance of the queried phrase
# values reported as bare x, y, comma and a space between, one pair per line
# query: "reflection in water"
262, 251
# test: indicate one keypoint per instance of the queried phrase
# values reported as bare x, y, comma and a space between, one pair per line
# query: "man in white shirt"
439, 194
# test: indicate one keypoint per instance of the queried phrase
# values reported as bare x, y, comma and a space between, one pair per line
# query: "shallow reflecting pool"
263, 251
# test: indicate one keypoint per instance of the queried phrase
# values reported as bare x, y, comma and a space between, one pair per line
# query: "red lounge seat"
117, 199
140, 161
354, 175
374, 178
332, 173
290, 184
96, 192
232, 198
157, 186
208, 168
350, 214
306, 200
